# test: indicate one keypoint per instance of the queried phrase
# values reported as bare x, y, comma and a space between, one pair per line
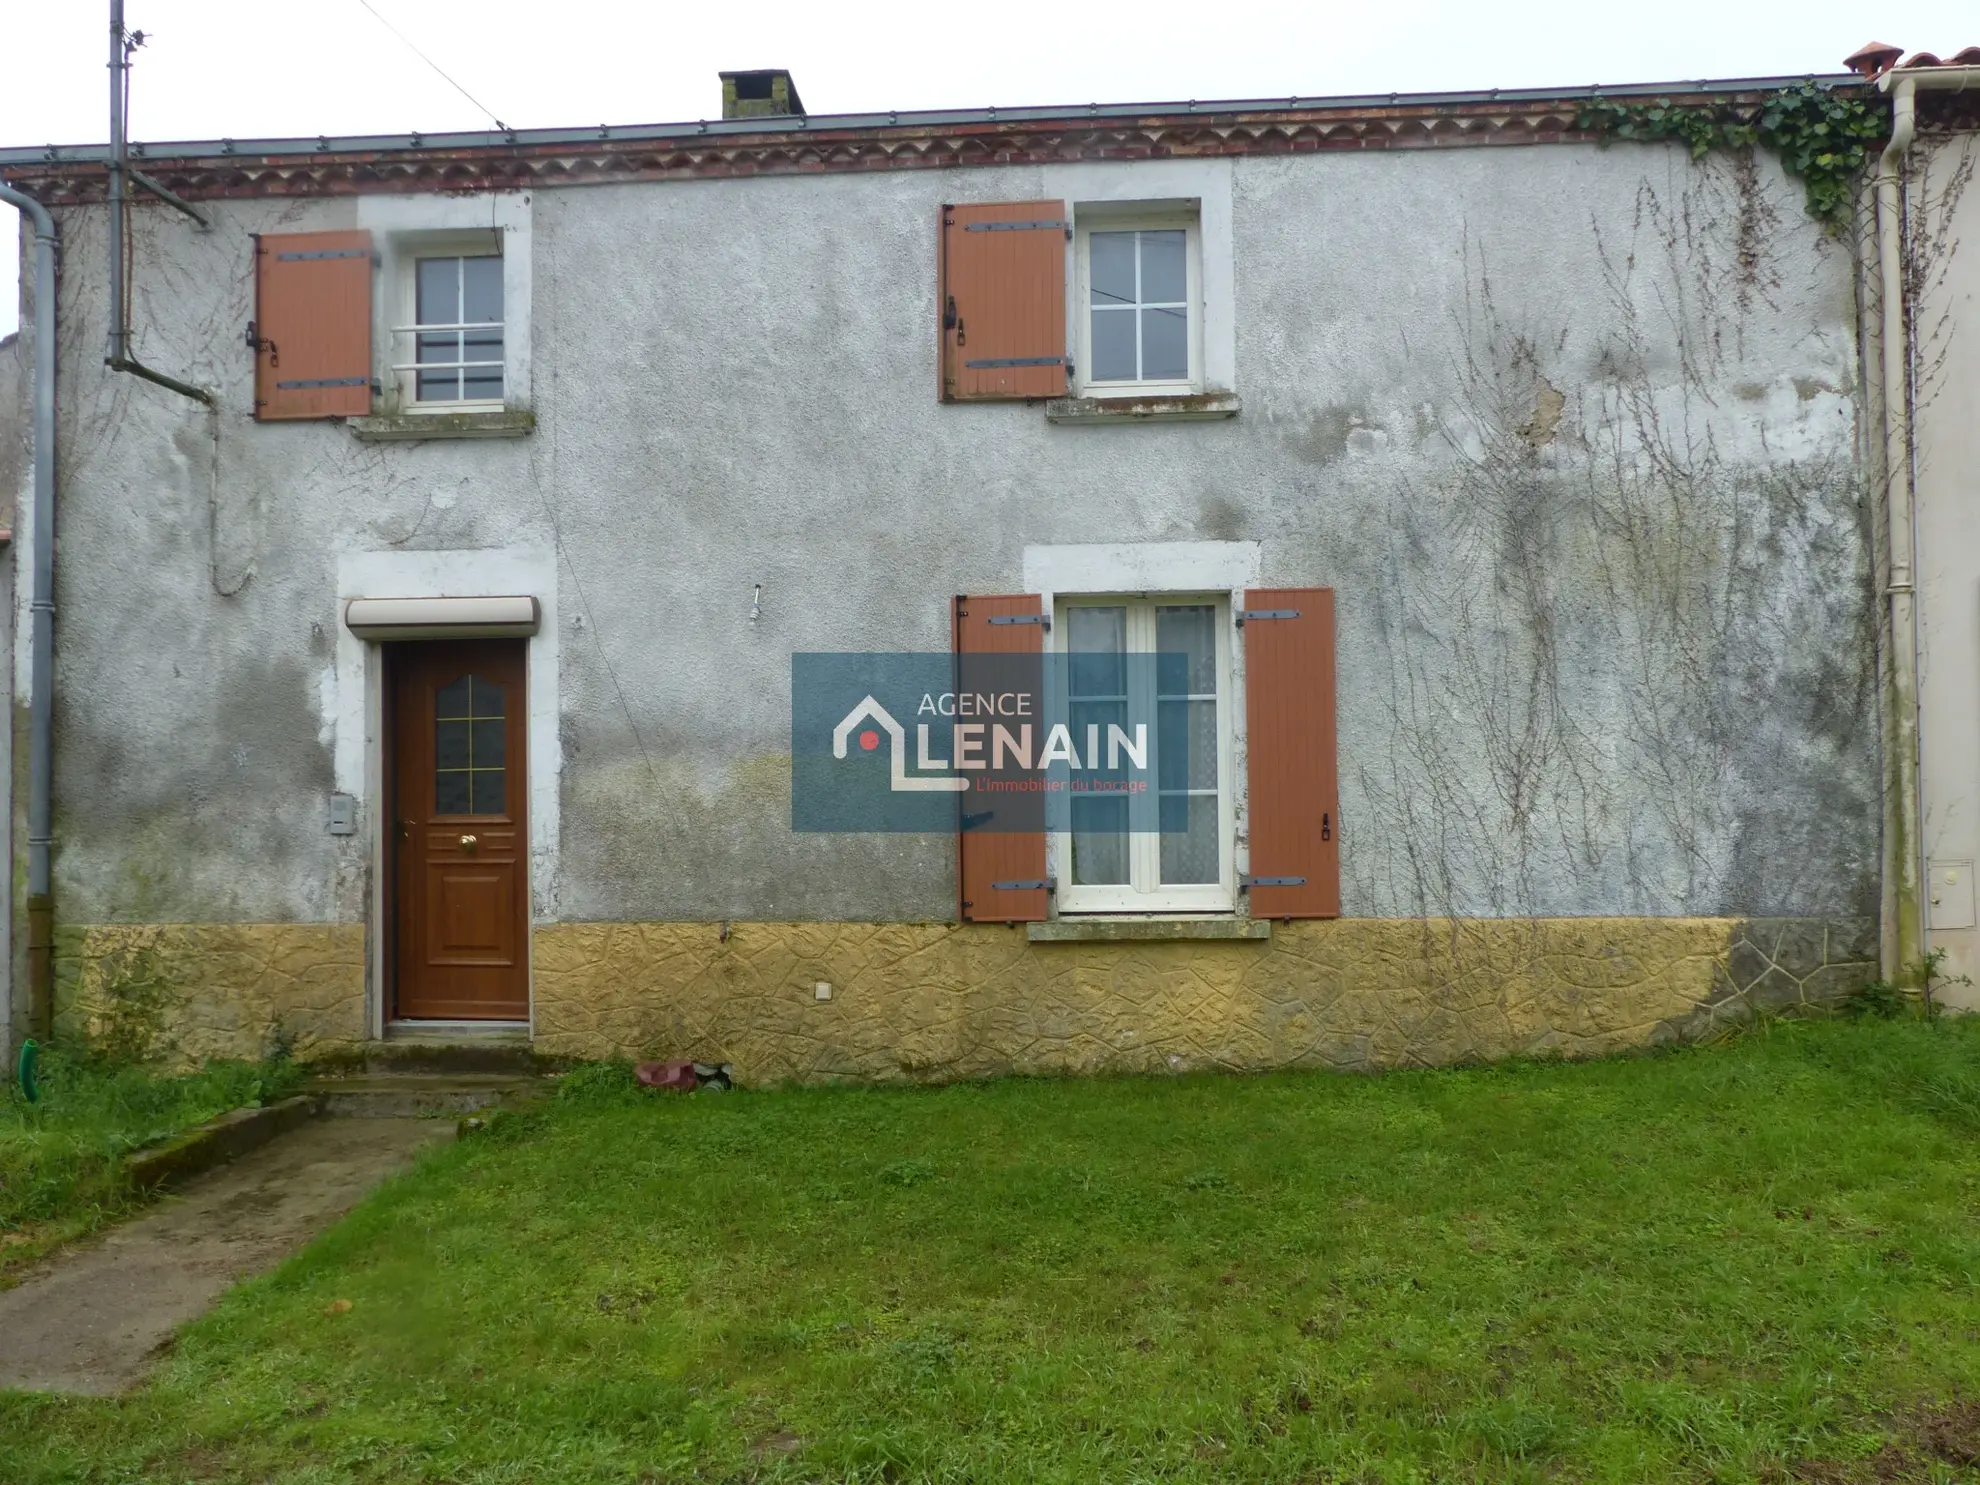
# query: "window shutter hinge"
1042, 619
1028, 884
1265, 613
1247, 883
1026, 226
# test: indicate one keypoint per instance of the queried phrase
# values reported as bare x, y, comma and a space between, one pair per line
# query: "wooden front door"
460, 849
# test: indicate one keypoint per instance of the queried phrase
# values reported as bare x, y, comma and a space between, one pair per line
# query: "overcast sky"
245, 68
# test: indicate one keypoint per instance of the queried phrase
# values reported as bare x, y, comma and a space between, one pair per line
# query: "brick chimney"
767, 92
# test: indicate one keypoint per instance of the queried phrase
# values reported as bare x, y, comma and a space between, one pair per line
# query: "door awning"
508, 617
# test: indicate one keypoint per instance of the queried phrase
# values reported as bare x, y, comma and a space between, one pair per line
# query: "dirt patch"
1942, 1433
776, 1445
1952, 1433
91, 1320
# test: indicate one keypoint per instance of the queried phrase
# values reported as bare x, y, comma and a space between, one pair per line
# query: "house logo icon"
896, 748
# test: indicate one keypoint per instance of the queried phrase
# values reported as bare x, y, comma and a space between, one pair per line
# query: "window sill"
1143, 930
406, 427
1165, 407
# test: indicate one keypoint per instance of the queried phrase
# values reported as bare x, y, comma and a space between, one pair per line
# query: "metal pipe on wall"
120, 335
41, 633
119, 357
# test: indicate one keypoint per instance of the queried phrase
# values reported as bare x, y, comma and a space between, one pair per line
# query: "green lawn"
1750, 1262
61, 1156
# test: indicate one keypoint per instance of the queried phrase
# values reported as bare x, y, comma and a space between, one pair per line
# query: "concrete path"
91, 1319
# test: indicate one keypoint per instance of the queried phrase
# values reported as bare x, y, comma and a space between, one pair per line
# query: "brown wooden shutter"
312, 325
991, 865
1002, 297
1291, 771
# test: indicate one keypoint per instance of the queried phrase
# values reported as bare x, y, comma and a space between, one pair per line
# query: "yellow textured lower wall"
944, 1000
179, 993
947, 1000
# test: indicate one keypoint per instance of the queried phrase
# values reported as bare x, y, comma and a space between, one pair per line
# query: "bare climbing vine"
1930, 246
1622, 621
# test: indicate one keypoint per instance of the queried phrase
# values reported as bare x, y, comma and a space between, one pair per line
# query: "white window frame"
1144, 891
474, 244
1089, 220
407, 225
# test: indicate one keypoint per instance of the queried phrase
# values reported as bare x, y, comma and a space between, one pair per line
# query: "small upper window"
457, 330
1140, 321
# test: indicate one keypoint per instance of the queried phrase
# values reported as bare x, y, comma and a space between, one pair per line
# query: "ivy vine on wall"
1822, 135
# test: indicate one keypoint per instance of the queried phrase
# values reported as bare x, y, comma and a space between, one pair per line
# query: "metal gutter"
41, 634
799, 126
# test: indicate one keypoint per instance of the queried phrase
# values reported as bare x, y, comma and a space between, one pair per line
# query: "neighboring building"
14, 465
1940, 213
1544, 455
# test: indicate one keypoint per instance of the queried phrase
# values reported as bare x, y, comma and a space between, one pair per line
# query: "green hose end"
24, 1070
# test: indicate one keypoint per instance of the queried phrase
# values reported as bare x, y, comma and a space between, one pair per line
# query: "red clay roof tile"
1874, 58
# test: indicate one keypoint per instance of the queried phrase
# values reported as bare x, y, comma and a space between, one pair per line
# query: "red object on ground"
677, 1077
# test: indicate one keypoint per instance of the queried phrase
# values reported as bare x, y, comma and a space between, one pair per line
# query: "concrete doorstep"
406, 1096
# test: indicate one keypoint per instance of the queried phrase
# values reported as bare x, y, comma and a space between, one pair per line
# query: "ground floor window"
1171, 852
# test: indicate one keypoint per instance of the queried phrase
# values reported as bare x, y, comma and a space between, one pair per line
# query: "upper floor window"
1140, 307
456, 331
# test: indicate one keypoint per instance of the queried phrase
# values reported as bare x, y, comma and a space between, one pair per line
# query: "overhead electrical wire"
433, 64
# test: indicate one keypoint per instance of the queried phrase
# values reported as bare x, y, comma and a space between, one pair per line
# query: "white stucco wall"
1571, 432
1944, 213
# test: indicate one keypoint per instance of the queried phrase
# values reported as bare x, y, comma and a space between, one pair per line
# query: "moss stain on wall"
179, 993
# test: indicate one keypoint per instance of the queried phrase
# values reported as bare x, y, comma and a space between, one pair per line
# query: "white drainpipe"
1903, 935
41, 628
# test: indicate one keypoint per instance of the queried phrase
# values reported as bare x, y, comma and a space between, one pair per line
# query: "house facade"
1503, 495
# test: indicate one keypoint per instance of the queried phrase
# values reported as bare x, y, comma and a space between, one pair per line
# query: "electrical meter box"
1950, 890
343, 814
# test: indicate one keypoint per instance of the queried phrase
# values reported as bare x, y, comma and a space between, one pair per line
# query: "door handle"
405, 830
467, 843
